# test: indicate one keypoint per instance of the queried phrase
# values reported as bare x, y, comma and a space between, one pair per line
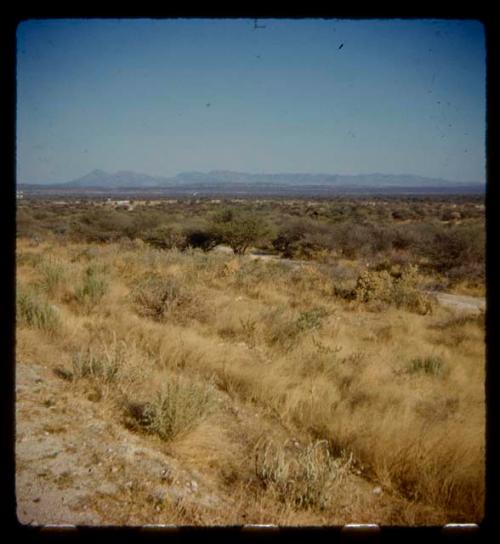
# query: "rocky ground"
75, 467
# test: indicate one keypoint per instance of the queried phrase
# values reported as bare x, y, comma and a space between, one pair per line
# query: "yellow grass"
286, 359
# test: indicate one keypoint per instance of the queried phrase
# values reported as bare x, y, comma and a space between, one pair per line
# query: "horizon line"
275, 173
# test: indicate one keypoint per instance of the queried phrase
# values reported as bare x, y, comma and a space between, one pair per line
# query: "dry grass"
175, 409
192, 346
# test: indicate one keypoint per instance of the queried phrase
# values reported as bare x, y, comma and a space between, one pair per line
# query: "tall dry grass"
400, 393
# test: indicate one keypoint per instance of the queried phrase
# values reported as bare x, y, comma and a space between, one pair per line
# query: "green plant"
165, 237
431, 365
311, 319
35, 311
103, 367
53, 275
302, 475
92, 289
176, 409
237, 231
288, 238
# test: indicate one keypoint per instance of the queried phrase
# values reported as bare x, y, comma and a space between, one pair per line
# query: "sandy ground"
75, 467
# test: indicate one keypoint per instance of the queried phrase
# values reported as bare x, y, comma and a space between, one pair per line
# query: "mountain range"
198, 180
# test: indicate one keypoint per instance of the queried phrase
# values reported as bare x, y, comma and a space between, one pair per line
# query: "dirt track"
461, 302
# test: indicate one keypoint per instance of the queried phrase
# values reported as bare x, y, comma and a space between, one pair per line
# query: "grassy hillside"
306, 394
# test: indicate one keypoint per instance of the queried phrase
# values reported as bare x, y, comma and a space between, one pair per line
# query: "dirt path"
461, 302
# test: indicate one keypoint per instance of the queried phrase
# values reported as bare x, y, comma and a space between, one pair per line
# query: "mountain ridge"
129, 179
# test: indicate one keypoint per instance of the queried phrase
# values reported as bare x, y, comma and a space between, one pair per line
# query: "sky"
333, 96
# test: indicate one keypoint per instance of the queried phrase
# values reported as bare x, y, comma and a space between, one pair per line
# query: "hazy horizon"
315, 96
221, 170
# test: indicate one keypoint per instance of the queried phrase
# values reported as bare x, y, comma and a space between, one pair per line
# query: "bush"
157, 297
101, 225
165, 237
176, 409
288, 238
398, 289
452, 247
472, 273
404, 237
285, 332
239, 232
26, 224
36, 312
53, 275
311, 319
305, 239
93, 288
302, 475
103, 367
374, 285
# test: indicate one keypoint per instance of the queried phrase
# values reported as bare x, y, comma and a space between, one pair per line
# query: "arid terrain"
230, 363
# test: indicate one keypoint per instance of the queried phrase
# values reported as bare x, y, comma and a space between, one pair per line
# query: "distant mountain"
365, 180
227, 183
127, 179
123, 178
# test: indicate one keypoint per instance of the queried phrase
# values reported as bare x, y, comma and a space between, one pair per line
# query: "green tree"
238, 231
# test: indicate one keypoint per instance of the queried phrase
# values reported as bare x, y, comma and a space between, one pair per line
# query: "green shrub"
288, 238
165, 237
453, 247
92, 289
103, 367
311, 319
431, 365
35, 311
238, 231
177, 408
53, 274
406, 293
351, 238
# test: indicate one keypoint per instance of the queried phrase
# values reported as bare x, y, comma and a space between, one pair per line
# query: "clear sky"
314, 95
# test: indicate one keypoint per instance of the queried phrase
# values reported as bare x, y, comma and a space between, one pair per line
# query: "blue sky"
165, 96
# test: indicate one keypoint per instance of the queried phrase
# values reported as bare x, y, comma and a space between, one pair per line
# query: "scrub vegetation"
292, 351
